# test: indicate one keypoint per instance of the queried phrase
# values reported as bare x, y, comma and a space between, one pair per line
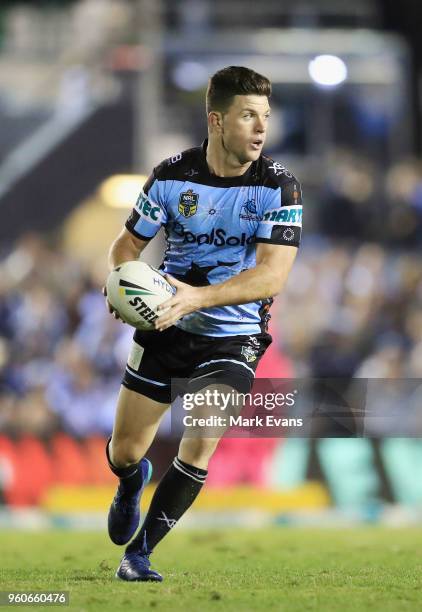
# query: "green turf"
273, 569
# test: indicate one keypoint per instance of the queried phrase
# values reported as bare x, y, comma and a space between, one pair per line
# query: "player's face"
244, 127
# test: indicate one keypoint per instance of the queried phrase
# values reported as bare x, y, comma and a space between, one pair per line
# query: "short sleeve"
149, 212
281, 221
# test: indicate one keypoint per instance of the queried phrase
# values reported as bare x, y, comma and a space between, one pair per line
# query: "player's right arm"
146, 218
126, 247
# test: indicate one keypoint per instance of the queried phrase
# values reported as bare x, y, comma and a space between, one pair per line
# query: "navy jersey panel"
212, 225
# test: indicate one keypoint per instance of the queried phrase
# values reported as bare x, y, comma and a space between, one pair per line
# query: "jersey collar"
225, 181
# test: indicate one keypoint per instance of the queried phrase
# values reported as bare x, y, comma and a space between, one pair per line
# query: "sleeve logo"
148, 211
287, 215
288, 234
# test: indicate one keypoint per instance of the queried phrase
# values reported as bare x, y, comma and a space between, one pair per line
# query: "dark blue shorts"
158, 357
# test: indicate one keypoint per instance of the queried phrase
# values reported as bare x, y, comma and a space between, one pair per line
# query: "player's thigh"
137, 420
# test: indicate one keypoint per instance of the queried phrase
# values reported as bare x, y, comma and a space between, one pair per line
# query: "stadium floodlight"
121, 190
327, 70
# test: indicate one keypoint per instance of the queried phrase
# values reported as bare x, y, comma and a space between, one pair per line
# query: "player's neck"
222, 162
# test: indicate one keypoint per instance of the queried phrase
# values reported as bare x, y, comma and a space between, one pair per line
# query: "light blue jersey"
212, 225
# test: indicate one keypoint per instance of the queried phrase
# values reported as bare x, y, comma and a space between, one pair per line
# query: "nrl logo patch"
188, 203
249, 353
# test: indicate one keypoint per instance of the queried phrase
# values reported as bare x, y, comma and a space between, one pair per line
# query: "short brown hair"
234, 81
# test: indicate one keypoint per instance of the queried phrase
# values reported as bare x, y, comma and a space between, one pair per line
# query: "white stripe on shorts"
201, 365
208, 374
153, 382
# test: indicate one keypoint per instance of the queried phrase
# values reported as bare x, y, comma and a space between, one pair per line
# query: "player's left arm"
266, 279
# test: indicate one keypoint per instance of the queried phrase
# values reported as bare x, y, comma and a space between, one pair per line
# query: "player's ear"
215, 121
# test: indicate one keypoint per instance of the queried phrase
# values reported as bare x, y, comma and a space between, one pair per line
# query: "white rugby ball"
135, 289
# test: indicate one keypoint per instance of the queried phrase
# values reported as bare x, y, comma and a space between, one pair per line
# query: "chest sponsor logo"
217, 237
287, 215
188, 203
148, 210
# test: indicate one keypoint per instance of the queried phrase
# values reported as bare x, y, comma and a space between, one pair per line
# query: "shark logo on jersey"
188, 203
248, 212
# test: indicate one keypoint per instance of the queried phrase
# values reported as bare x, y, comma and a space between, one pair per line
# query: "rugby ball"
135, 289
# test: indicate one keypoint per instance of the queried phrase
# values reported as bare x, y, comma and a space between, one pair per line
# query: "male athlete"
232, 220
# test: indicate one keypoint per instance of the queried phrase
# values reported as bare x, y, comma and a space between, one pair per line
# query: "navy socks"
174, 494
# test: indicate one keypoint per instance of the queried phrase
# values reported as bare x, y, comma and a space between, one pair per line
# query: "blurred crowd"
362, 201
354, 311
61, 353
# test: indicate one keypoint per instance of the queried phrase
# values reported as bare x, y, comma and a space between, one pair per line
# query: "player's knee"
197, 451
124, 452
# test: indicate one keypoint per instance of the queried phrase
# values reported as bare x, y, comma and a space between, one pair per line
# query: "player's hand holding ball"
187, 299
110, 308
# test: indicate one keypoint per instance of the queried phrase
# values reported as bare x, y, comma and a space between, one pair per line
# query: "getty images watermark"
219, 409
306, 408
231, 403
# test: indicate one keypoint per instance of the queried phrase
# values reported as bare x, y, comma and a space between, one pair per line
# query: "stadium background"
93, 93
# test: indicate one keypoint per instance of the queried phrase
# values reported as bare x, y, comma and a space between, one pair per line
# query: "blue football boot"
124, 514
135, 567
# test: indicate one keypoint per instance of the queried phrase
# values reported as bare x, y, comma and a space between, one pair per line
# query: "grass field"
279, 569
